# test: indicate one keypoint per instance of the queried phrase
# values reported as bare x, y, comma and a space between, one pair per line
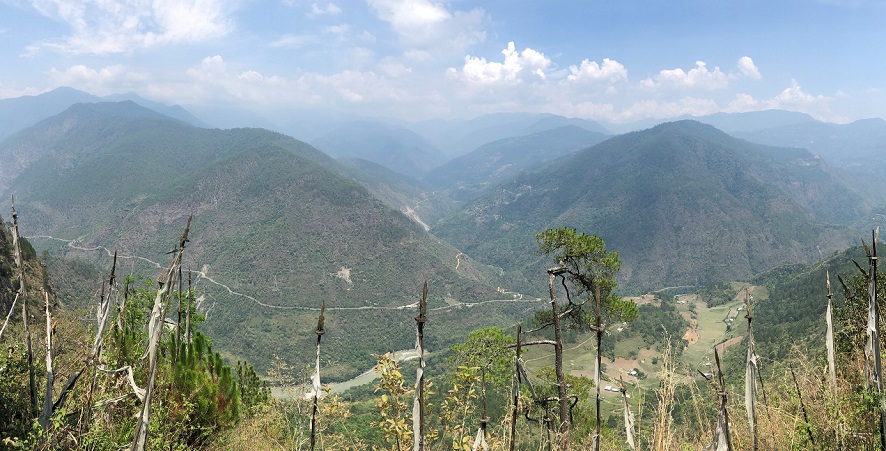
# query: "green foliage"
487, 348
16, 411
581, 387
655, 324
196, 395
717, 294
590, 270
394, 421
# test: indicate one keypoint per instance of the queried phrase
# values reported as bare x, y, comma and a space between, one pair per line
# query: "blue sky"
613, 61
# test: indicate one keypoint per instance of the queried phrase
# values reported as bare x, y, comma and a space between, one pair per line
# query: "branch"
533, 343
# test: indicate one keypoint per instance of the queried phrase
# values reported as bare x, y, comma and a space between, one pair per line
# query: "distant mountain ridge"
684, 204
20, 112
859, 146
470, 174
395, 148
459, 136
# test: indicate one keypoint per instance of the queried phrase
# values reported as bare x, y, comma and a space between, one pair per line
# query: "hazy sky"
613, 60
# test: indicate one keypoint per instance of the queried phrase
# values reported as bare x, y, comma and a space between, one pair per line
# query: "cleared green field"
714, 326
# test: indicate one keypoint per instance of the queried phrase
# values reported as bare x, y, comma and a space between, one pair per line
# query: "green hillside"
273, 220
469, 175
684, 203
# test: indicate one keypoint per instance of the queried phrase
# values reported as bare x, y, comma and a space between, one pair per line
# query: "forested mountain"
274, 219
395, 148
683, 203
469, 175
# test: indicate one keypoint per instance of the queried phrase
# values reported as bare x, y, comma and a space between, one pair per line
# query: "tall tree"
587, 272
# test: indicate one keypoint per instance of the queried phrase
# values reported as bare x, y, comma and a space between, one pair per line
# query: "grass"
711, 329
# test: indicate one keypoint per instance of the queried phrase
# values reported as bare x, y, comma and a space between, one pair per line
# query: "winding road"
202, 275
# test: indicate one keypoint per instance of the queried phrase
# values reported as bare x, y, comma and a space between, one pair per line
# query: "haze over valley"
619, 207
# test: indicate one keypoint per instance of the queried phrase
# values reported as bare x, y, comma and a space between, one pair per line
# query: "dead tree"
155, 331
23, 293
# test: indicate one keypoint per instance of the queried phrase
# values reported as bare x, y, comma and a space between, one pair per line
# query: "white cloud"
430, 27
517, 67
330, 9
107, 27
589, 71
251, 75
295, 41
340, 30
697, 77
748, 68
693, 106
700, 77
107, 80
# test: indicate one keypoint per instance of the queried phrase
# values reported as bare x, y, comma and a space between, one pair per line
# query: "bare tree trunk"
562, 400
316, 386
829, 339
480, 440
102, 314
751, 381
722, 435
155, 331
802, 406
873, 348
8, 315
50, 378
516, 390
178, 321
188, 311
629, 417
418, 407
16, 245
598, 328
